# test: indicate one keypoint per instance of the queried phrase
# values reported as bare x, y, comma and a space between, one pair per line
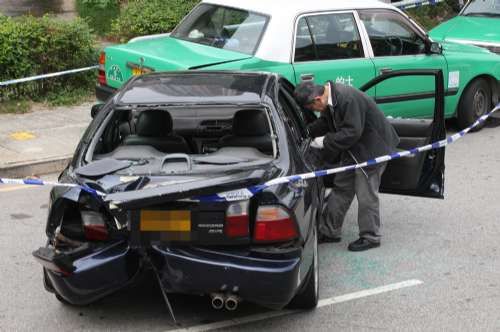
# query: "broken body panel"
174, 220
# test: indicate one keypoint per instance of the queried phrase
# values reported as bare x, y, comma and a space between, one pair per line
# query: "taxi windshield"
487, 8
222, 27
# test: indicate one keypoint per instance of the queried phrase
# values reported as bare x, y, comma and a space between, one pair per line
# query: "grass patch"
64, 97
68, 97
14, 106
98, 14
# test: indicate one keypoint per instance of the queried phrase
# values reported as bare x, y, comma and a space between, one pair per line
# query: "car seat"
250, 129
154, 128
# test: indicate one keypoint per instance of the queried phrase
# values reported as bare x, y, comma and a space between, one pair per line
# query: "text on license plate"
137, 71
165, 221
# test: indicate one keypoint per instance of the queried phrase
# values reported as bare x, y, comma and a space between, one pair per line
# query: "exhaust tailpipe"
217, 301
232, 302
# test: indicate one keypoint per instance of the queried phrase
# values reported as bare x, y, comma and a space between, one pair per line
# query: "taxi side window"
391, 33
327, 37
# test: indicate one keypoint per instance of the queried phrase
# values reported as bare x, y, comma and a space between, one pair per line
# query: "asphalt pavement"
451, 247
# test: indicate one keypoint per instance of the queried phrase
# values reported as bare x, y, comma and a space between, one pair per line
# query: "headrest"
250, 123
154, 123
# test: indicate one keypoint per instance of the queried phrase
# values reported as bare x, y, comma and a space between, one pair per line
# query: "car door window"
327, 37
390, 34
294, 120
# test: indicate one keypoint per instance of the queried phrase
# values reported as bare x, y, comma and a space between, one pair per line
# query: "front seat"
250, 129
154, 128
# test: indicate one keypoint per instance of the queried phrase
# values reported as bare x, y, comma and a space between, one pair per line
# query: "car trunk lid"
161, 54
164, 189
186, 209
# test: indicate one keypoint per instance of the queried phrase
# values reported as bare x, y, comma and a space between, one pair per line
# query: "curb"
34, 167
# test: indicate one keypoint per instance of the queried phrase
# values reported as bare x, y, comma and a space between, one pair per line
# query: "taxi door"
328, 46
397, 44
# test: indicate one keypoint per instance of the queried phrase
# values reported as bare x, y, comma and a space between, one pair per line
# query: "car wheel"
308, 297
475, 102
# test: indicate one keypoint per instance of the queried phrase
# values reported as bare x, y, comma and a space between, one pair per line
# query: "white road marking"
321, 303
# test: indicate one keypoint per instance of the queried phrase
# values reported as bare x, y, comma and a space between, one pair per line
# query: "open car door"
421, 174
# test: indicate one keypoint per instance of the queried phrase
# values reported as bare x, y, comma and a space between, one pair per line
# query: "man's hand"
318, 142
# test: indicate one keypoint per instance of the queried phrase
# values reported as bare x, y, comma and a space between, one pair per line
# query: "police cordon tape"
247, 193
407, 4
40, 77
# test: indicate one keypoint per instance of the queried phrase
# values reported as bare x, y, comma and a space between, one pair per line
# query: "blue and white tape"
39, 77
247, 193
38, 182
407, 4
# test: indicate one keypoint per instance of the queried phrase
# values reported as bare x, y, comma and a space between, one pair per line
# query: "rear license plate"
173, 225
137, 71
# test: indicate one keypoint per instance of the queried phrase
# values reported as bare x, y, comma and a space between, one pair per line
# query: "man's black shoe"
328, 239
362, 244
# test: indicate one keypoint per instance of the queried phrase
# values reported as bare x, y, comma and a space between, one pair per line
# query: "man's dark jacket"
354, 123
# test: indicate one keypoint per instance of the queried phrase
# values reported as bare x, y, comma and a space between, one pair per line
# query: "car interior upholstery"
250, 129
404, 173
154, 128
188, 131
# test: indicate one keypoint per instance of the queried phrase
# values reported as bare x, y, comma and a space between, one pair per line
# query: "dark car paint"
268, 275
103, 272
261, 277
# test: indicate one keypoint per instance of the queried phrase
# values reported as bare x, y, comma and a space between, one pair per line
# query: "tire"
474, 103
308, 297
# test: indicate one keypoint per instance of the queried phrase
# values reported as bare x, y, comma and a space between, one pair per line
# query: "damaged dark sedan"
163, 173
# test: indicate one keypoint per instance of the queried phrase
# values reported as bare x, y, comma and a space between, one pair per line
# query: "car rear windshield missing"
183, 140
223, 27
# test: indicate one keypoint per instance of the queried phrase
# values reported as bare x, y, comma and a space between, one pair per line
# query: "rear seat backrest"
250, 129
154, 128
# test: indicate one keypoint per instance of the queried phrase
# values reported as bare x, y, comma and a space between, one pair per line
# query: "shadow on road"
141, 305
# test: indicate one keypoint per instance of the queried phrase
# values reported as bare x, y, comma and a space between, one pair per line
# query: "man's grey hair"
305, 92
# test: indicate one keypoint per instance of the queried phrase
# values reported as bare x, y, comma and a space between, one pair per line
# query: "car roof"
297, 7
276, 44
197, 87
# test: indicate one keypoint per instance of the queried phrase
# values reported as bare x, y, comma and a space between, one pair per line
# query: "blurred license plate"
137, 71
178, 221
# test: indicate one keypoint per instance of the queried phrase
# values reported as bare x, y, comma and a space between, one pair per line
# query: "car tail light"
237, 220
94, 226
274, 224
102, 70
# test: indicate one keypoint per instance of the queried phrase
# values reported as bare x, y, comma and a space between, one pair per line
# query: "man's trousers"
365, 185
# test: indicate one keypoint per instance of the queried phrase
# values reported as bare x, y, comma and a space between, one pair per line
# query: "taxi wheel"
308, 298
475, 102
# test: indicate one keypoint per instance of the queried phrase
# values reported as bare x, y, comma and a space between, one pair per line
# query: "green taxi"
345, 41
478, 23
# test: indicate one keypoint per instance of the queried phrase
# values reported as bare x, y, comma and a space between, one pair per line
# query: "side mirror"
95, 109
434, 48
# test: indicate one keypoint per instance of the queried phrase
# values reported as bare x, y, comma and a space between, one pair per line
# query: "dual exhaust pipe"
230, 302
